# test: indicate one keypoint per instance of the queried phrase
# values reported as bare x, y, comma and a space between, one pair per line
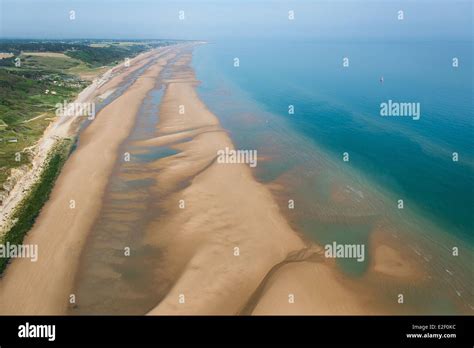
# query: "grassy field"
55, 63
24, 97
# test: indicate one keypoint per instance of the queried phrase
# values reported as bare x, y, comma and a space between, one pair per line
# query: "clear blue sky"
214, 19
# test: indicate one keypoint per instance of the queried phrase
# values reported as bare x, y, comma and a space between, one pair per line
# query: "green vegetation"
49, 63
50, 72
27, 212
23, 97
94, 53
99, 56
37, 76
27, 92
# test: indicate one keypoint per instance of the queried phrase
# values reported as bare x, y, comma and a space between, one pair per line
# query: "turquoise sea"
337, 111
300, 158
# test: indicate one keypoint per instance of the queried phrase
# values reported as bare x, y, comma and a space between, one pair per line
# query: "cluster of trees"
110, 52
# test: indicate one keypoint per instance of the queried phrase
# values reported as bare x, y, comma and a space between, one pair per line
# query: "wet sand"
44, 287
65, 127
223, 232
220, 242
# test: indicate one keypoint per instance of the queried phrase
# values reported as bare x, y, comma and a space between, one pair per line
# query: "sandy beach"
225, 246
44, 287
224, 209
67, 127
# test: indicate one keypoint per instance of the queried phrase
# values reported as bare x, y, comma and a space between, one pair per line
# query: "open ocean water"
337, 111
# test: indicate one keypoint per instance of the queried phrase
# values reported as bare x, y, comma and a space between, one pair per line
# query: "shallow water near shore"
108, 282
301, 155
333, 201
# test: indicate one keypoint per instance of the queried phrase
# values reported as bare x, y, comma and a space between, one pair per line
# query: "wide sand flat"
224, 208
306, 288
226, 246
44, 287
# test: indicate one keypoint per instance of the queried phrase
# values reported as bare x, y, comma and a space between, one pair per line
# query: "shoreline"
58, 257
224, 208
63, 128
226, 244
26, 212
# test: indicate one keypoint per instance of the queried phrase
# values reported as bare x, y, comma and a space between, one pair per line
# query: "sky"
248, 19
